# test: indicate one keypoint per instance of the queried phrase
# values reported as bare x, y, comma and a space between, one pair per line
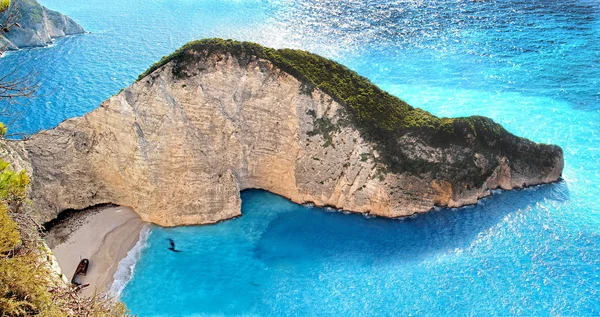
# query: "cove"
280, 258
532, 66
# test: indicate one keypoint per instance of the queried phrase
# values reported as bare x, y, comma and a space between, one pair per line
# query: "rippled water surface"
533, 66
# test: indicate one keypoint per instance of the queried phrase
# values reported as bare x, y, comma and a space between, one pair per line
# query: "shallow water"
533, 66
505, 256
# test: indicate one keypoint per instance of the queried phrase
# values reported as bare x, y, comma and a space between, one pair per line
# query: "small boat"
81, 270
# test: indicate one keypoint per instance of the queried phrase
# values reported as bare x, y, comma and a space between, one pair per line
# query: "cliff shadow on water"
307, 234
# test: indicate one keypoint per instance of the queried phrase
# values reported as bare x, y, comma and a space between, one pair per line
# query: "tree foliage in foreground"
28, 285
4, 5
24, 275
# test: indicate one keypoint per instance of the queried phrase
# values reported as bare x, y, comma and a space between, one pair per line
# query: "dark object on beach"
172, 248
81, 270
81, 286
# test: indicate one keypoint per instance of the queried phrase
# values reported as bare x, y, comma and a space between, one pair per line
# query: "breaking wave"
127, 265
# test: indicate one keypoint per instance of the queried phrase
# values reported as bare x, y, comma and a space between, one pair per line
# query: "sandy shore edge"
103, 235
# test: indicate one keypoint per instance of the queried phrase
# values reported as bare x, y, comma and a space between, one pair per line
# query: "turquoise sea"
532, 65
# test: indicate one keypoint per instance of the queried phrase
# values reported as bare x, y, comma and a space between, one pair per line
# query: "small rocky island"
217, 117
38, 26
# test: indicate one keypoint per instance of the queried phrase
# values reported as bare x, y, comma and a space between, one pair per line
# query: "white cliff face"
39, 26
180, 150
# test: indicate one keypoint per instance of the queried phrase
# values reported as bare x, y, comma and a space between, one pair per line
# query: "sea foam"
125, 269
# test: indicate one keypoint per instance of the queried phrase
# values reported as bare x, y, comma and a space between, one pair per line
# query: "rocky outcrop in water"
39, 26
219, 117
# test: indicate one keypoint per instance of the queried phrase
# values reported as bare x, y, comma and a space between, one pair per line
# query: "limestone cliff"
218, 117
39, 26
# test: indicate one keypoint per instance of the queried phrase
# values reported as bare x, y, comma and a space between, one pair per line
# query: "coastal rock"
219, 117
39, 26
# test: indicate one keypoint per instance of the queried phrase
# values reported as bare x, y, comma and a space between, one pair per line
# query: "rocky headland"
217, 117
38, 26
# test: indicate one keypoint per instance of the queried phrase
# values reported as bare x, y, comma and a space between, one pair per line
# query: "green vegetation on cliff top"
380, 117
369, 106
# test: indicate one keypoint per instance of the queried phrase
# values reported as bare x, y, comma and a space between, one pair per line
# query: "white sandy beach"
104, 236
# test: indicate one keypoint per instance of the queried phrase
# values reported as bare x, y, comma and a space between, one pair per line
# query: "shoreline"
103, 235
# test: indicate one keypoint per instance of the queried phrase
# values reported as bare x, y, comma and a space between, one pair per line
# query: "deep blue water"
533, 66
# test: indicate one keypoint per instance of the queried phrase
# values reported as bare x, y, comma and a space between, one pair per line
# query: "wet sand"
103, 235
